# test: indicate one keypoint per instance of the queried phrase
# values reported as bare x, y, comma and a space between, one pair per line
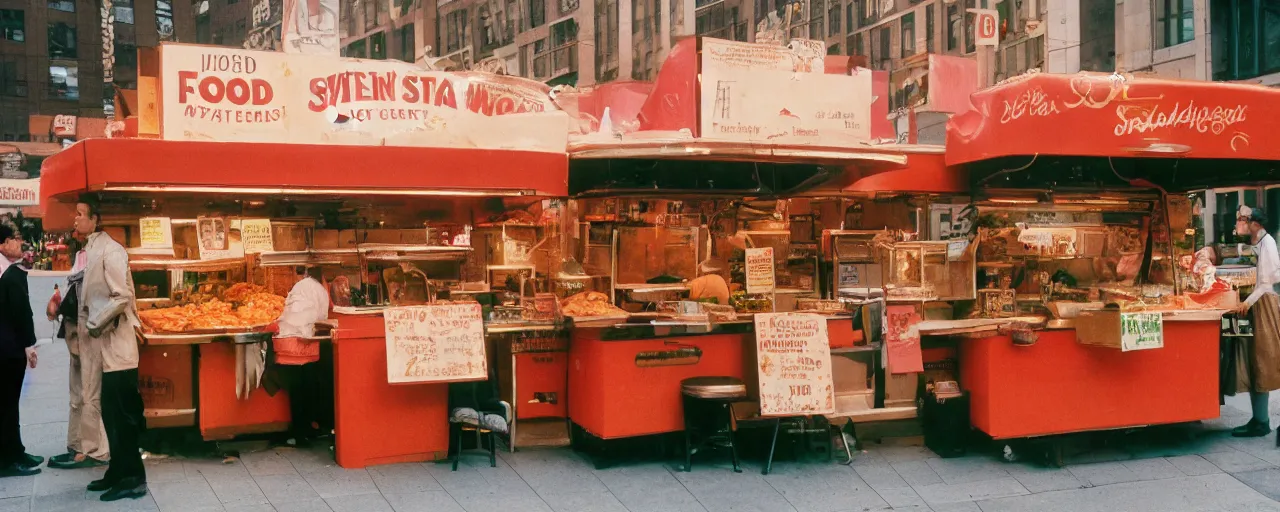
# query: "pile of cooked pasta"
242, 306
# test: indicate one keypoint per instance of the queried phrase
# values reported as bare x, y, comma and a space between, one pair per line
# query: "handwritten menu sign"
1141, 331
794, 364
760, 269
156, 232
903, 339
255, 234
435, 343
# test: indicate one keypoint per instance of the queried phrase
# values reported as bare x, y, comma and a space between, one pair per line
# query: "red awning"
263, 168
922, 172
1116, 116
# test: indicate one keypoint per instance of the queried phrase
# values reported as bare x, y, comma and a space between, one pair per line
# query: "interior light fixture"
203, 189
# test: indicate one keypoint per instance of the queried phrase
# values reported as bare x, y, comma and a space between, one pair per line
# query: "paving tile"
53, 481
881, 477
660, 501
1040, 479
249, 508
182, 496
653, 477
1153, 469
285, 489
13, 487
306, 460
491, 501
430, 501
42, 411
16, 504
971, 491
823, 488
554, 472
917, 472
968, 469
758, 500
1265, 481
1103, 473
967, 506
598, 501
309, 505
337, 481
167, 470
1210, 493
235, 490
1236, 461
403, 479
267, 463
83, 501
1193, 465
901, 497
359, 503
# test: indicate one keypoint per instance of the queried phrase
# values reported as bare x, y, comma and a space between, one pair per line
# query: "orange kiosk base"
376, 422
1059, 386
223, 415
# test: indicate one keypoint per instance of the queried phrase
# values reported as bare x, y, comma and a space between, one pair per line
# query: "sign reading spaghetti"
794, 359
435, 343
230, 95
781, 95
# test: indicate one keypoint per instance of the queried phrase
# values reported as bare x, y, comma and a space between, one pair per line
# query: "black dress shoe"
63, 458
133, 490
84, 462
30, 460
1251, 429
15, 469
101, 484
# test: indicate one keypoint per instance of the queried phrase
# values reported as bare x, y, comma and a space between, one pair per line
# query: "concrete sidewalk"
1211, 473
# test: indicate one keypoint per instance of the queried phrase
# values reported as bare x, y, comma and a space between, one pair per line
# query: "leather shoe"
101, 484
30, 460
1251, 429
133, 490
84, 462
63, 458
16, 469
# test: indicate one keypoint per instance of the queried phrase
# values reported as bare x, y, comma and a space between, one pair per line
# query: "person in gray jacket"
109, 321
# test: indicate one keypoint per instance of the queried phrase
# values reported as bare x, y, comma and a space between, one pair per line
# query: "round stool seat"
715, 388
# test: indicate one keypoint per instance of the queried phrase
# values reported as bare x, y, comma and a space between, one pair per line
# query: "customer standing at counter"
109, 317
17, 352
1264, 352
297, 355
86, 436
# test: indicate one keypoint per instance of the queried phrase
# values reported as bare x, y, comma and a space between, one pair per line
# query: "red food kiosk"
1100, 157
314, 138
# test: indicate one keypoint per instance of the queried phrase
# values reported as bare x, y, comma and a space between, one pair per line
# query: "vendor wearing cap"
1264, 305
297, 353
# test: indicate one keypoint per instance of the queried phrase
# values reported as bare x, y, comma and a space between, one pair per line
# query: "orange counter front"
223, 415
631, 387
376, 422
1059, 386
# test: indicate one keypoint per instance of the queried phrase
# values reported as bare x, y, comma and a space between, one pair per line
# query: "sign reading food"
794, 364
435, 343
759, 270
156, 232
781, 95
255, 234
1141, 331
234, 95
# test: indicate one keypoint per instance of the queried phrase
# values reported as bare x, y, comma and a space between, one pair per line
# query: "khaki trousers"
85, 432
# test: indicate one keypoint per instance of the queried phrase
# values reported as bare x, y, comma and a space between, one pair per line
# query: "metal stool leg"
733, 441
493, 450
768, 463
457, 451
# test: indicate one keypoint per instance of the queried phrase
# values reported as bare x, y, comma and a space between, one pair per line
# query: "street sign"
986, 28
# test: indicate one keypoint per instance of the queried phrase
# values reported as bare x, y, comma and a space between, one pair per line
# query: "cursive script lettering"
1033, 103
1200, 119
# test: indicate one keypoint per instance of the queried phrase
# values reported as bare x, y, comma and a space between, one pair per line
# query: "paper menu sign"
435, 343
759, 270
1141, 331
794, 364
255, 235
902, 339
155, 232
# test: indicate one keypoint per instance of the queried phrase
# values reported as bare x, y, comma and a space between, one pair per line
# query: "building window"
1246, 38
62, 41
123, 10
970, 41
711, 21
126, 55
370, 15
564, 46
568, 6
834, 49
537, 13
232, 2
1175, 22
833, 17
64, 80
63, 5
606, 40
13, 76
378, 46
405, 38
455, 30
929, 28
858, 49
356, 50
908, 42
885, 44
164, 20
953, 27
13, 25
848, 17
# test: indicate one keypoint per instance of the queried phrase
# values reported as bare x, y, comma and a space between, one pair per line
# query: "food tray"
199, 339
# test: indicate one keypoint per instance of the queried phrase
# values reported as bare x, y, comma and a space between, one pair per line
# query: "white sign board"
435, 343
1141, 331
781, 95
760, 270
986, 28
256, 236
230, 95
794, 367
156, 232
20, 192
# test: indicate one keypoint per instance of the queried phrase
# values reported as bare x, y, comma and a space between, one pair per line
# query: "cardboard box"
347, 239
324, 239
900, 389
860, 275
413, 236
382, 236
1112, 328
854, 401
849, 374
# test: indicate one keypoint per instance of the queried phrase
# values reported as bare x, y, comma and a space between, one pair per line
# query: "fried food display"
242, 306
589, 304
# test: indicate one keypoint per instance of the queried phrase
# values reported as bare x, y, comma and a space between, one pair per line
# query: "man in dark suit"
17, 351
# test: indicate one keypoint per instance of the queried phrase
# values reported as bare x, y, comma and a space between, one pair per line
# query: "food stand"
1070, 228
251, 163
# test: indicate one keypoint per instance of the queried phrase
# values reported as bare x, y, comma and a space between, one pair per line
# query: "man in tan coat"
109, 323
86, 436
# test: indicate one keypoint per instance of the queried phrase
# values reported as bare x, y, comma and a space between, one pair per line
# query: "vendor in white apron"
1263, 307
297, 354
